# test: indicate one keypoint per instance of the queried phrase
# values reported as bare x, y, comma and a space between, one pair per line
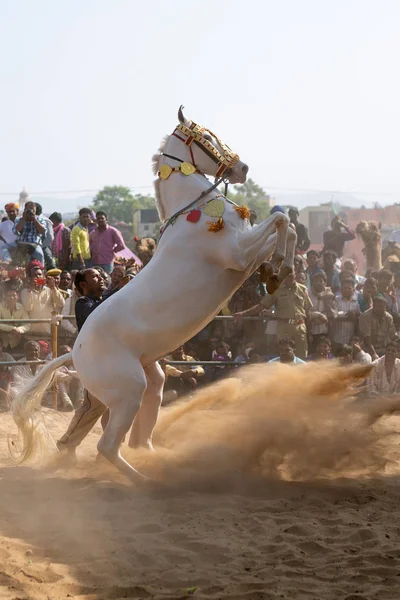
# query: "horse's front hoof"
272, 284
266, 271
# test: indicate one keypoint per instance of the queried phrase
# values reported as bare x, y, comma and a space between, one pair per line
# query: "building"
146, 223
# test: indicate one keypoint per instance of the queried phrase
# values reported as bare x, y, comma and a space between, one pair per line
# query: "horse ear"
182, 118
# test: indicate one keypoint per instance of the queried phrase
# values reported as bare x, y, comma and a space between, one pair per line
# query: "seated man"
345, 355
181, 378
377, 328
287, 352
10, 334
385, 377
322, 350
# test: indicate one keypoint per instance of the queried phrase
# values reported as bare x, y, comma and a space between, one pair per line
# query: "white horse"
206, 251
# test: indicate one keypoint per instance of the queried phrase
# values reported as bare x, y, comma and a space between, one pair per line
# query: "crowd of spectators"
324, 310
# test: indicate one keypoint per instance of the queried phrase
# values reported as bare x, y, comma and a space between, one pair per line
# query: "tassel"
243, 212
216, 226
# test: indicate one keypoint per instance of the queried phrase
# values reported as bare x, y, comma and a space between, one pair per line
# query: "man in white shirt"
7, 235
345, 312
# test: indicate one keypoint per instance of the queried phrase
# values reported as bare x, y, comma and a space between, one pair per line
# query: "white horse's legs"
252, 240
274, 281
146, 418
123, 402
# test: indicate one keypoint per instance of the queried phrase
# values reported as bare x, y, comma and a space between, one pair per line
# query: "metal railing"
55, 322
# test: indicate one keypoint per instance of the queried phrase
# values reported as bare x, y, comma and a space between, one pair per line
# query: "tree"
253, 196
120, 204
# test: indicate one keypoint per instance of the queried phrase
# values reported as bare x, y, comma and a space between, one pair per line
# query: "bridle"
225, 160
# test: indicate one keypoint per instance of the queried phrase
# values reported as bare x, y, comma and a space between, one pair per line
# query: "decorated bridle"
226, 159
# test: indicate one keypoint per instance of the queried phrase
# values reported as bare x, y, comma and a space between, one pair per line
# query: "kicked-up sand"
275, 484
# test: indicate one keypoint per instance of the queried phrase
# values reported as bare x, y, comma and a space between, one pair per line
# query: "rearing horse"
206, 251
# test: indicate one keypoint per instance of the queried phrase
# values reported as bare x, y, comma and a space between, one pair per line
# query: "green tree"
120, 204
253, 196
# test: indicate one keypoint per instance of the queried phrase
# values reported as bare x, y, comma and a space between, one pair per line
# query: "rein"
204, 193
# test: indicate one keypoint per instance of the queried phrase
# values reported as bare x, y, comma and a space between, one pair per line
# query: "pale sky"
306, 91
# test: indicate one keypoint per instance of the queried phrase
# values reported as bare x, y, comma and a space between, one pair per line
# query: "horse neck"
178, 190
373, 254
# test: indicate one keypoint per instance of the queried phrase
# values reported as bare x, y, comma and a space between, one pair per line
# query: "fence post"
54, 348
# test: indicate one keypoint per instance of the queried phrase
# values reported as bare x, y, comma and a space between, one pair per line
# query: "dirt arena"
271, 487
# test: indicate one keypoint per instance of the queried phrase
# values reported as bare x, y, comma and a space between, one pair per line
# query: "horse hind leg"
146, 418
124, 403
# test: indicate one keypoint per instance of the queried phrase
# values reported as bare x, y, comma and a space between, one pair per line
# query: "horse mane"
155, 165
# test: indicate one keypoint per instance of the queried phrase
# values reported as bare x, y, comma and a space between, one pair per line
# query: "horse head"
210, 154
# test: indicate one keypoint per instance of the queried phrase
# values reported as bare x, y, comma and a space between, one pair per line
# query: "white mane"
155, 167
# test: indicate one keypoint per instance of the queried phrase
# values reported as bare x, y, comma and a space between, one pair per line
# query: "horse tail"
26, 411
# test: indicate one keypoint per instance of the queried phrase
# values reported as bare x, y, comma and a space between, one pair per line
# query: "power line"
265, 187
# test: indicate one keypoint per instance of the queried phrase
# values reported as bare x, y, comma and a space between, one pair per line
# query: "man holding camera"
335, 238
30, 229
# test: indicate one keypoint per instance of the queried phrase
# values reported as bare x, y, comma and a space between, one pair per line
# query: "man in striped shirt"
345, 313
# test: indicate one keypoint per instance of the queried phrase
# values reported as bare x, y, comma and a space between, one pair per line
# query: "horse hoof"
272, 284
266, 271
284, 271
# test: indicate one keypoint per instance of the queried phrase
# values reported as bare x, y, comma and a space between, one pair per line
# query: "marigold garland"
243, 212
217, 226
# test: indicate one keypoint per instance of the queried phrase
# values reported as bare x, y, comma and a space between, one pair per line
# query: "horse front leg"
273, 280
252, 240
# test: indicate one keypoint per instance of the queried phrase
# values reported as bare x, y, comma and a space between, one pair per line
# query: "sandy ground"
86, 533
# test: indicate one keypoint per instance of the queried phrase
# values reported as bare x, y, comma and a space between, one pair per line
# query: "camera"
29, 212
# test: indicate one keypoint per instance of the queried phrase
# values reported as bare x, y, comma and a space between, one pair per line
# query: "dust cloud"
271, 422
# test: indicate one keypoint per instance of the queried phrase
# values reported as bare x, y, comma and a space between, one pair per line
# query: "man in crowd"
11, 335
292, 306
322, 350
47, 239
66, 282
105, 242
303, 241
322, 300
359, 356
40, 298
369, 291
348, 265
80, 241
32, 353
182, 378
90, 285
313, 265
335, 238
31, 228
56, 275
385, 376
287, 352
386, 289
61, 245
329, 267
7, 234
345, 312
377, 328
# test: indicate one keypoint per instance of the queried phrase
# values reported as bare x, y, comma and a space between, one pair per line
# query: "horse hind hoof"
284, 271
266, 272
272, 284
